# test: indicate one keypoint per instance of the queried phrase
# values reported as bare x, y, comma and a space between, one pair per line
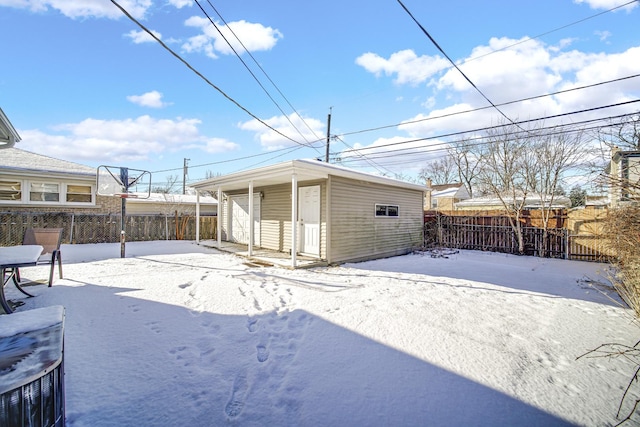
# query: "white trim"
294, 219
25, 188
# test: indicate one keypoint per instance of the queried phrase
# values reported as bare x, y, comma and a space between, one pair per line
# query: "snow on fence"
105, 228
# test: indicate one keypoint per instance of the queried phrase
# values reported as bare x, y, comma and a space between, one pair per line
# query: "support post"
328, 135
294, 219
197, 217
219, 218
123, 213
251, 219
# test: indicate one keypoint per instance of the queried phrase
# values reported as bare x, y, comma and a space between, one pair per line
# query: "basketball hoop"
119, 182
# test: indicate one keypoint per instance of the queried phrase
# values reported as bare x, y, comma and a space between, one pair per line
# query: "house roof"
304, 169
533, 201
173, 199
8, 134
456, 190
17, 161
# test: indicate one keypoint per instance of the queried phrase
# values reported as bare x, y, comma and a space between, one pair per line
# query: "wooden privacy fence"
494, 233
105, 228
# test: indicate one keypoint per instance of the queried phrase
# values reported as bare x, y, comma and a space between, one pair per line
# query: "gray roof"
17, 161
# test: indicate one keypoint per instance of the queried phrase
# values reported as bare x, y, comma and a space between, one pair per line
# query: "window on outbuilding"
387, 210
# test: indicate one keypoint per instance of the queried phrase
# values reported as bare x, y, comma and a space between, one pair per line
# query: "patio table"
12, 258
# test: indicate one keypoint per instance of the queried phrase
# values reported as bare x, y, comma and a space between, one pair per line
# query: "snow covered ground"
178, 334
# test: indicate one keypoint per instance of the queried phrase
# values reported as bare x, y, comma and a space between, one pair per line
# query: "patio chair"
50, 239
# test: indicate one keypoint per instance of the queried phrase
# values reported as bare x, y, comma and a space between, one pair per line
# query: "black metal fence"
105, 228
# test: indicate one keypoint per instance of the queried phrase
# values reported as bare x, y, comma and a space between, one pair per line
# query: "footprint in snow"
235, 405
263, 353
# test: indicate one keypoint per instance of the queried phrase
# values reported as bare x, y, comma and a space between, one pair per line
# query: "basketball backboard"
123, 182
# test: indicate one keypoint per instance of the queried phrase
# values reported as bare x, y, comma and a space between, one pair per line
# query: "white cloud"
603, 35
405, 64
151, 99
254, 37
121, 140
400, 153
142, 36
270, 140
505, 70
179, 4
606, 4
83, 8
219, 145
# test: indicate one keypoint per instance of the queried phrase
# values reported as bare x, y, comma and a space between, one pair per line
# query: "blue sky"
81, 81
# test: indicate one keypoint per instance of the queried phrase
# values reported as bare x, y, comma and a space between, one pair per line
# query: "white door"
239, 219
309, 219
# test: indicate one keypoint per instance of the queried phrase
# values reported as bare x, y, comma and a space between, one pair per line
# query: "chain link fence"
105, 228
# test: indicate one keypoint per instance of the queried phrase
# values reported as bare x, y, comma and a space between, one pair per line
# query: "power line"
473, 110
249, 69
265, 73
484, 129
288, 149
527, 39
454, 64
236, 103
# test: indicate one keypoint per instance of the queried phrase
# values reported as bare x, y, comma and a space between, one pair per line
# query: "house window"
44, 192
11, 190
387, 210
79, 193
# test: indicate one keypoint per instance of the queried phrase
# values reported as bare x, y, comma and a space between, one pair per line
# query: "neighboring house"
495, 204
319, 210
33, 182
443, 197
169, 204
624, 173
29, 180
8, 134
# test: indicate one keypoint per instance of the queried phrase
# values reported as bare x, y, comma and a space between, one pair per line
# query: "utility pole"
328, 134
184, 176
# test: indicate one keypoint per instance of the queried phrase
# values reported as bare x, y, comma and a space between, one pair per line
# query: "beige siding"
357, 234
276, 217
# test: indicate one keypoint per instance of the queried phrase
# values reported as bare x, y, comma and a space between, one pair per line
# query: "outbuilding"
314, 209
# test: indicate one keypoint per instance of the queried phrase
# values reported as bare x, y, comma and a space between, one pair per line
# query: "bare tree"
505, 169
465, 156
440, 171
553, 156
168, 187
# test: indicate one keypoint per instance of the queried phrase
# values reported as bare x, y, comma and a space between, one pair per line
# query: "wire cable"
245, 64
236, 103
454, 64
484, 129
473, 110
263, 72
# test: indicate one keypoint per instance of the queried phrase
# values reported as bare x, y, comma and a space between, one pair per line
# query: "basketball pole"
123, 211
124, 179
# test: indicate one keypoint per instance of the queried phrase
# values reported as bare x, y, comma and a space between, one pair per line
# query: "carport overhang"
283, 173
8, 134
